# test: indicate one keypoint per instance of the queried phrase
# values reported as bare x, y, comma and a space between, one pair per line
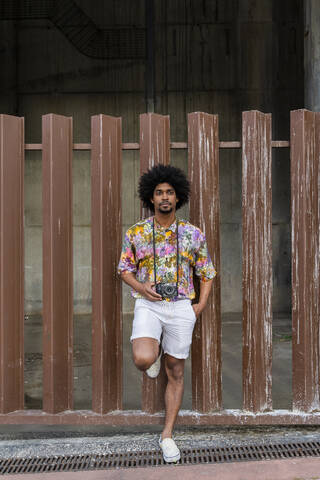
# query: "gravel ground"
59, 443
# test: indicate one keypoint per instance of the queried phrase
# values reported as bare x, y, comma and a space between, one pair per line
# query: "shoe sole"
152, 376
172, 459
157, 374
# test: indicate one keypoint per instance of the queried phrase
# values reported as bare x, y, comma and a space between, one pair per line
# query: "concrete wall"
312, 54
218, 56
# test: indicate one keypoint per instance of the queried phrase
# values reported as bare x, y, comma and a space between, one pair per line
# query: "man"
158, 258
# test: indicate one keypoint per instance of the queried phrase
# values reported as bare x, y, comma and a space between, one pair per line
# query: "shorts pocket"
193, 313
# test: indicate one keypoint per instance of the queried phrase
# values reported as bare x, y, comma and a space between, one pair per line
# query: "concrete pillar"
312, 55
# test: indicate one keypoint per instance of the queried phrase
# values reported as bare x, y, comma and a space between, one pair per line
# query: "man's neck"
165, 219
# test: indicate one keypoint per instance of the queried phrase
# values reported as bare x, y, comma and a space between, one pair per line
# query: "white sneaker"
154, 370
171, 452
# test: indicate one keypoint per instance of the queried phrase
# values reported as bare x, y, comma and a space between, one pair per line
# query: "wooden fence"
203, 155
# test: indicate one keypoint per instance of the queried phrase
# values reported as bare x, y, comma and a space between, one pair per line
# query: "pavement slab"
293, 469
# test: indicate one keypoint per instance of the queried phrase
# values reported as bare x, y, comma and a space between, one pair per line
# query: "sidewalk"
299, 469
66, 441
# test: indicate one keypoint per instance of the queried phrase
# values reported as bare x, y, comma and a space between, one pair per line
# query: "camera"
167, 290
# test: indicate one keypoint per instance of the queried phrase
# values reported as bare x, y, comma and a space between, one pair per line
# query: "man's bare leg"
145, 352
174, 392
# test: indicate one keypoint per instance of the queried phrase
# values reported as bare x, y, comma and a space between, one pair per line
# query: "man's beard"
165, 211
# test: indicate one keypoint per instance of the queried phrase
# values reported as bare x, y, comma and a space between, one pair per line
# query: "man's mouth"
164, 204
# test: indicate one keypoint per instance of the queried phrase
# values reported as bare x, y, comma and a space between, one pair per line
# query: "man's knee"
143, 360
145, 352
175, 369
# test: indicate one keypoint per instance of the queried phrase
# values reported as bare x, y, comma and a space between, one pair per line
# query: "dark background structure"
123, 58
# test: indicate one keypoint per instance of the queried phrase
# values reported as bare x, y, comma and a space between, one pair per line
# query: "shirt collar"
172, 227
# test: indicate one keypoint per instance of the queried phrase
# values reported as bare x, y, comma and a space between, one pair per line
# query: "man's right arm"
145, 289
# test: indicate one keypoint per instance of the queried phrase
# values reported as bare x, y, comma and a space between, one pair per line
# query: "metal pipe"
150, 100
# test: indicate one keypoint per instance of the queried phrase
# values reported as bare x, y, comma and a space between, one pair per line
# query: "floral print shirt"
137, 255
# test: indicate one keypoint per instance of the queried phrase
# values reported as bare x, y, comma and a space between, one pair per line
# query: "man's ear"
151, 200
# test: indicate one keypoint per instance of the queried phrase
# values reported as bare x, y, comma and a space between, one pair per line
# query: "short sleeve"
127, 261
203, 264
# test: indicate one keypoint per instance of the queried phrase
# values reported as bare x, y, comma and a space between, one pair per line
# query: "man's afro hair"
164, 174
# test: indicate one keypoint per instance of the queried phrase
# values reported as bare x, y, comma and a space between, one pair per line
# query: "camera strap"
154, 253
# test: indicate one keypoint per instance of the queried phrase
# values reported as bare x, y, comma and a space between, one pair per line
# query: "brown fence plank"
203, 156
138, 418
106, 246
154, 149
11, 262
173, 145
57, 263
305, 182
257, 261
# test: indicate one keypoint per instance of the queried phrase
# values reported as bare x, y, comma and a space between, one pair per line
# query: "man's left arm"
205, 289
206, 271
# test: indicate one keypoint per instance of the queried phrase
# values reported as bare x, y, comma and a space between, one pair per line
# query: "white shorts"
174, 320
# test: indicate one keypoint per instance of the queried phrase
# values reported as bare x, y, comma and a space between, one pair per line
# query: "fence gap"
154, 149
203, 155
106, 247
305, 224
154, 144
12, 263
57, 264
257, 261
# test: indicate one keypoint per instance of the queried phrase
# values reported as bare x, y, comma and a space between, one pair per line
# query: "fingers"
197, 309
150, 293
154, 294
152, 298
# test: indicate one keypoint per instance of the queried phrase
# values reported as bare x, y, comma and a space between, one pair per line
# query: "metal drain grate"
154, 458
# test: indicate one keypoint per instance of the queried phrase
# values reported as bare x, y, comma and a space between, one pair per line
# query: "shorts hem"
143, 336
179, 357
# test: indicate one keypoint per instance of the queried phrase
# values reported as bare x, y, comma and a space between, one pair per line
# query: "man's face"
164, 198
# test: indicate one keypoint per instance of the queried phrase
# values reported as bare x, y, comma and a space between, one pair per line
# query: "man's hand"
205, 288
145, 289
198, 309
149, 293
